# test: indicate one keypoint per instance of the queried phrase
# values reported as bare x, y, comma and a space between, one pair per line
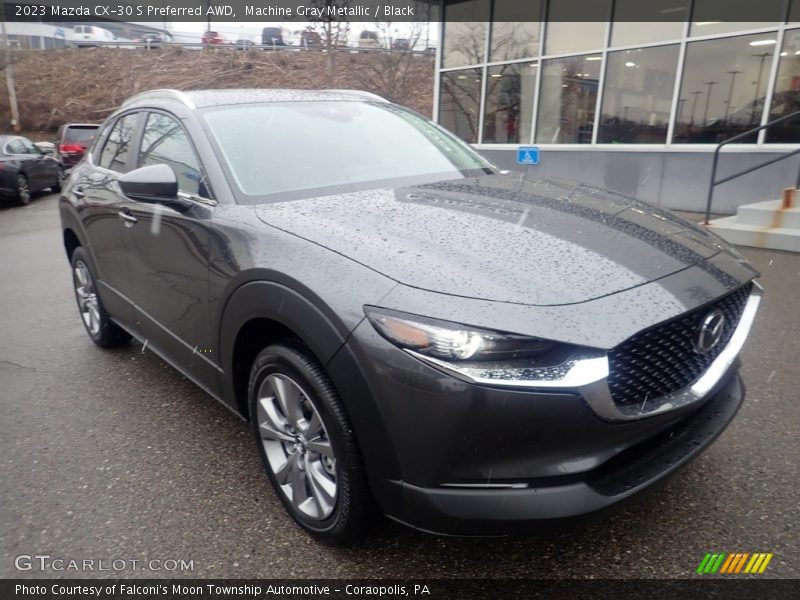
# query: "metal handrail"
714, 181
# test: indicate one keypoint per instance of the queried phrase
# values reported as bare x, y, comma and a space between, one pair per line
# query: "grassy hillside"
58, 86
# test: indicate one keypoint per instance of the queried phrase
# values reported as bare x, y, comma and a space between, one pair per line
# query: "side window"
165, 142
15, 146
115, 152
29, 148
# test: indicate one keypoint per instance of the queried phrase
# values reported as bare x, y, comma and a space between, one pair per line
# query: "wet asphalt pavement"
114, 455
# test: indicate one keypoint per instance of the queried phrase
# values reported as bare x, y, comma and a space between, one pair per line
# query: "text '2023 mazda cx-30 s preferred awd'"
409, 330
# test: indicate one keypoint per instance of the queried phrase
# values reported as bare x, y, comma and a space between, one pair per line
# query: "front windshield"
286, 147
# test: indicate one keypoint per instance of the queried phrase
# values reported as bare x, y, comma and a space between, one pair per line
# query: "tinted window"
459, 101
15, 147
637, 22
786, 98
465, 32
80, 134
723, 88
637, 95
165, 142
568, 99
115, 152
564, 35
293, 146
509, 103
28, 147
515, 29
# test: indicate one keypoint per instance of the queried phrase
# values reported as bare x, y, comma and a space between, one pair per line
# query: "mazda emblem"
710, 331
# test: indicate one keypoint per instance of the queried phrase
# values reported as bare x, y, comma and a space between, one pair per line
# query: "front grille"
662, 360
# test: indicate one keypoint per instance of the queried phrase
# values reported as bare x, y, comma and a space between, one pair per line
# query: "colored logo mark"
734, 562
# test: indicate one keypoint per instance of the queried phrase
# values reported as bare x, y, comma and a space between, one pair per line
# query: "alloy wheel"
23, 190
87, 297
297, 446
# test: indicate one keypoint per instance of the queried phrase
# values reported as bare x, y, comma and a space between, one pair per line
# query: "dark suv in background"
72, 141
405, 327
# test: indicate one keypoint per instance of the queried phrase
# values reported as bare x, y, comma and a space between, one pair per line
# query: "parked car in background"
85, 36
242, 44
272, 37
406, 327
212, 38
152, 41
310, 39
25, 169
369, 40
401, 44
72, 141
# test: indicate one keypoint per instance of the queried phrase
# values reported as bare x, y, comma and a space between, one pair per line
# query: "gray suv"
409, 331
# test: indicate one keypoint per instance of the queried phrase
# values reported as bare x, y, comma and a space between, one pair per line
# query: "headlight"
453, 342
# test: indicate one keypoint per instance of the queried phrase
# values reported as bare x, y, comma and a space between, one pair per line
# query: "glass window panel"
723, 88
565, 35
164, 142
115, 152
465, 32
568, 99
459, 101
794, 12
637, 95
509, 103
515, 29
637, 22
786, 97
708, 16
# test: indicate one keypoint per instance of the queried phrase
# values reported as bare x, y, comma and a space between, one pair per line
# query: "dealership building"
634, 99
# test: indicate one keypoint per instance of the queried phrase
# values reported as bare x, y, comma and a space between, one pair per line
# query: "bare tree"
333, 26
390, 72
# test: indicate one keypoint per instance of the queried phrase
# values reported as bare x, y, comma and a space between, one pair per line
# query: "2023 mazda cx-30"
409, 330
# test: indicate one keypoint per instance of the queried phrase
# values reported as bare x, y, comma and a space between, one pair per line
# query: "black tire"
354, 510
106, 334
23, 190
56, 189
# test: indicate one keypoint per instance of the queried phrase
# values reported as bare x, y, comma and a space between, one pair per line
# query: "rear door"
97, 187
168, 254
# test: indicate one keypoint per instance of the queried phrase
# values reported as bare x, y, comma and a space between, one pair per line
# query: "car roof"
208, 98
81, 125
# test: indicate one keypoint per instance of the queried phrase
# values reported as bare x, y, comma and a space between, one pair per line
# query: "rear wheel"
101, 329
23, 190
307, 445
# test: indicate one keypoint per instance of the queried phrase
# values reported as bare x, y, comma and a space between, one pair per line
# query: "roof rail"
359, 93
177, 93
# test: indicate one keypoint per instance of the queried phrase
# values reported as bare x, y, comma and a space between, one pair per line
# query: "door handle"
78, 192
127, 218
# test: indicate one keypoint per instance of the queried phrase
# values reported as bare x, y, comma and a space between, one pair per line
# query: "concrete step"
732, 230
768, 214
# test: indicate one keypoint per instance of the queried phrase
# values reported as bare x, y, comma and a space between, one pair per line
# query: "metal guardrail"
715, 182
153, 44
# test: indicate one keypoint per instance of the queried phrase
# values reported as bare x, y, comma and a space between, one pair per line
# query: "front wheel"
59, 184
307, 445
101, 329
23, 190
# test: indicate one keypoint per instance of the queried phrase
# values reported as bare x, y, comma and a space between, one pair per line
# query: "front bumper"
541, 506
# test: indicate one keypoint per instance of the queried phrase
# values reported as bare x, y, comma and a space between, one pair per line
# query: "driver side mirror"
153, 183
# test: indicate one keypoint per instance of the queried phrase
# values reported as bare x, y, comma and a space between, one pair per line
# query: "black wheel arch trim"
264, 296
326, 338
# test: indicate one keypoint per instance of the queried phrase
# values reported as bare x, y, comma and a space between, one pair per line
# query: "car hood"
504, 238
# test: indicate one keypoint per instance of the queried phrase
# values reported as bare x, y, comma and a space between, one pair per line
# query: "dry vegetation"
85, 85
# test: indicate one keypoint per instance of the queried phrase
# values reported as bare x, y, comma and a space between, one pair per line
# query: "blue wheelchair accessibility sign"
528, 155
